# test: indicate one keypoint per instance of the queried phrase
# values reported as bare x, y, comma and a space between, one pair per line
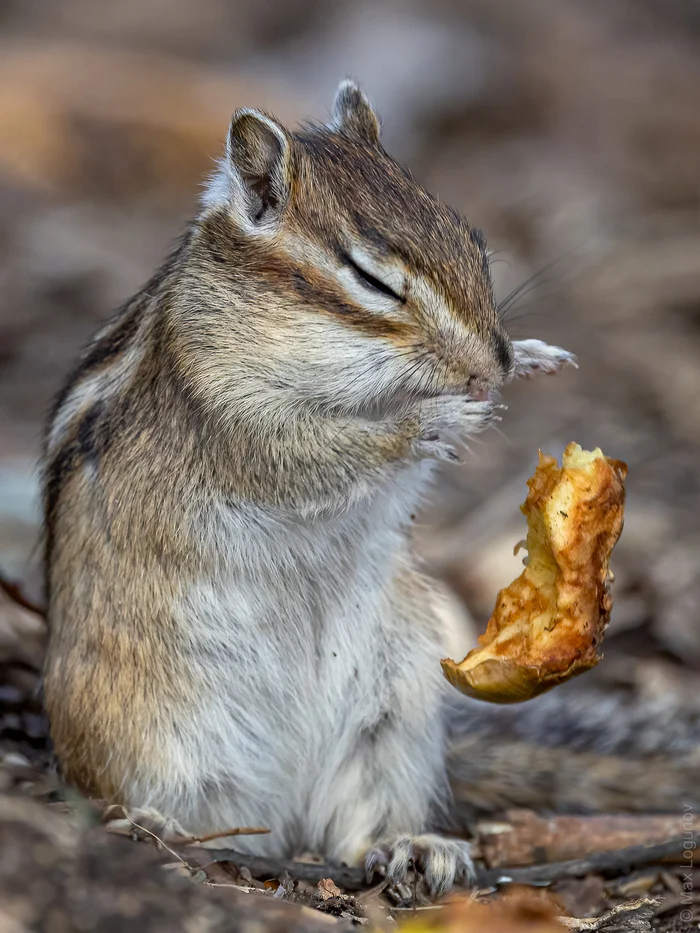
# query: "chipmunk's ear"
353, 114
258, 151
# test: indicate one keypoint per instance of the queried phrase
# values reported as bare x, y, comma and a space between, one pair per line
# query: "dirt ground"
568, 130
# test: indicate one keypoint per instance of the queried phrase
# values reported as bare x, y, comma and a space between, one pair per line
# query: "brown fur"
235, 377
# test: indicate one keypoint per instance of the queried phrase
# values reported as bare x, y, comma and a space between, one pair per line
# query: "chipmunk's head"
362, 289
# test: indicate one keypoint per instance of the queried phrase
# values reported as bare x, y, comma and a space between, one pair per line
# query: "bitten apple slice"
548, 624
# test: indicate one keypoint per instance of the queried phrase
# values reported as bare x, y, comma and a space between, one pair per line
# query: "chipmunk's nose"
482, 389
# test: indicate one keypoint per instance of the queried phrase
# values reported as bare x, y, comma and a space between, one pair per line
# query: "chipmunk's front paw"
536, 356
445, 421
432, 862
143, 823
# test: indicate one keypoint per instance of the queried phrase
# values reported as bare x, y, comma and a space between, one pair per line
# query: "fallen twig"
353, 879
645, 907
577, 868
192, 870
237, 831
525, 838
349, 878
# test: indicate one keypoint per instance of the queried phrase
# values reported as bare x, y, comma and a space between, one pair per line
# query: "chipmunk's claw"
536, 356
434, 862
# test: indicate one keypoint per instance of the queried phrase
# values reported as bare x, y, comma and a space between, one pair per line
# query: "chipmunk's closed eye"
371, 281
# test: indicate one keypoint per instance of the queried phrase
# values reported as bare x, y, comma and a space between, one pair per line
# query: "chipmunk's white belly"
298, 653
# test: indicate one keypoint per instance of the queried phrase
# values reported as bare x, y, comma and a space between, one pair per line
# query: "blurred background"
568, 130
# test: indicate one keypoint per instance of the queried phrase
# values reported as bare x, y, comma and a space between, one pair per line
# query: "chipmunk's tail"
576, 750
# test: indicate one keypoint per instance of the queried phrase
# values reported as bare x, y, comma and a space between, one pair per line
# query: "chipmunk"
240, 633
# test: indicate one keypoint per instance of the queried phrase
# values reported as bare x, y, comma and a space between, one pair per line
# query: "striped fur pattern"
239, 631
